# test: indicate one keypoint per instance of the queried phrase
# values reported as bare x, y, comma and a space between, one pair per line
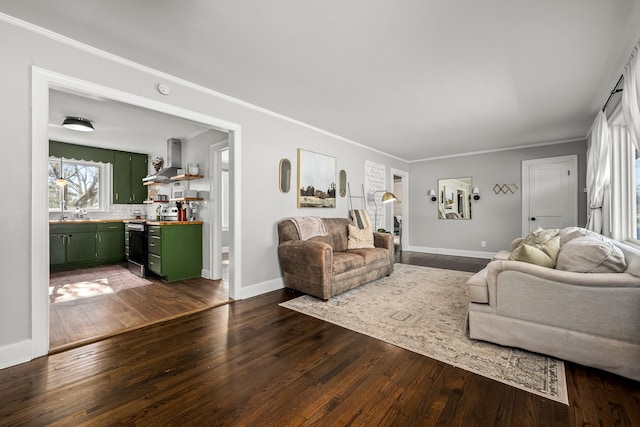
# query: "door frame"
42, 80
573, 186
404, 198
215, 214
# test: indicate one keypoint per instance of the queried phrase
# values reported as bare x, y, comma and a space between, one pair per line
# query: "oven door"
137, 249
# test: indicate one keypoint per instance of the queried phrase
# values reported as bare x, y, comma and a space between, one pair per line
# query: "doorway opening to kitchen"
44, 83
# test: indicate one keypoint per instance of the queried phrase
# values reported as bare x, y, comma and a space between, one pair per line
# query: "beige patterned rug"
424, 309
90, 282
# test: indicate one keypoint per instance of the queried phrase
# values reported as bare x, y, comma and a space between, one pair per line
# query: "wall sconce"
476, 193
432, 195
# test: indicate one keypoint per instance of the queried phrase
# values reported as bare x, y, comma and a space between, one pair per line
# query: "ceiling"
413, 78
117, 126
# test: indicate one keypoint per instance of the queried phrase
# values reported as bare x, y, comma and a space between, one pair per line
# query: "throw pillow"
359, 238
540, 236
532, 255
551, 248
591, 255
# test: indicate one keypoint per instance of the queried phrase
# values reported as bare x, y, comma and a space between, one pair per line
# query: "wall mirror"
454, 198
342, 183
285, 175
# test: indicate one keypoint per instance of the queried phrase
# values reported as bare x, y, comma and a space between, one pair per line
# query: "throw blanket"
310, 226
360, 218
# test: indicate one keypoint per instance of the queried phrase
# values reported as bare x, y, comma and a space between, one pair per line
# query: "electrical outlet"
483, 244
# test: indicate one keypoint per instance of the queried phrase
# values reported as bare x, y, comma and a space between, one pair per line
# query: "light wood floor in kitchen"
86, 320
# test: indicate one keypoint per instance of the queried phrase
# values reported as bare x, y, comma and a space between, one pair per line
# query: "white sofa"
591, 318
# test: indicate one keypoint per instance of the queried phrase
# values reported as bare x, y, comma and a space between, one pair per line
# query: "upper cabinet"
128, 168
128, 171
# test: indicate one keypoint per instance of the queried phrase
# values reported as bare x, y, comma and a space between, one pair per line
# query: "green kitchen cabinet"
175, 251
57, 249
128, 171
81, 248
110, 242
76, 245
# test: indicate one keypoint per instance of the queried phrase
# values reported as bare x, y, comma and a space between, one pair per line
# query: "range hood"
174, 162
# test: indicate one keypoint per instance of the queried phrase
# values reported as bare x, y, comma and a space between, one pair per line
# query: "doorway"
42, 82
401, 209
549, 193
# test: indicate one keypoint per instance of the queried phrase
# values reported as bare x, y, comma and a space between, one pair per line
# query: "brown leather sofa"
323, 266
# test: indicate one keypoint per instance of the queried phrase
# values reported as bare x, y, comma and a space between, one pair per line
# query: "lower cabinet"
175, 251
85, 245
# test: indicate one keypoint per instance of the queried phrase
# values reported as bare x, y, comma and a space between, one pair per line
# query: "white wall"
266, 138
496, 219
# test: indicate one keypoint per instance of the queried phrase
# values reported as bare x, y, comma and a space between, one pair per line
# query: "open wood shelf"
155, 201
185, 177
187, 199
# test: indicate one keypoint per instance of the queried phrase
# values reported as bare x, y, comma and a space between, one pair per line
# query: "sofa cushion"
324, 239
540, 236
345, 261
359, 238
532, 255
591, 255
569, 233
372, 255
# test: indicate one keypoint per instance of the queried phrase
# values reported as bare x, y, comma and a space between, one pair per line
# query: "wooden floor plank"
85, 320
255, 363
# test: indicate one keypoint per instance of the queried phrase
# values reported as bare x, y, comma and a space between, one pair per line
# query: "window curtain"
598, 171
622, 189
631, 97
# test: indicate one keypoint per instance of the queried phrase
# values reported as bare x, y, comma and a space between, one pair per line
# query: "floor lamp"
387, 197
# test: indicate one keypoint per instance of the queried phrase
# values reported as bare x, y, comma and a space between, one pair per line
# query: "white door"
549, 193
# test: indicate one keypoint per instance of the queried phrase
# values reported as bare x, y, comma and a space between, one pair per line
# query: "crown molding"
517, 147
169, 77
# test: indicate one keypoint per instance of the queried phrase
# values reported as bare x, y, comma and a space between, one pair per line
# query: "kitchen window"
87, 185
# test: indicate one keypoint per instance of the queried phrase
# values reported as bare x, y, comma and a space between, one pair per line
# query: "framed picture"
316, 180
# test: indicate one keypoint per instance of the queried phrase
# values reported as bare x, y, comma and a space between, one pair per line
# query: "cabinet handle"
152, 244
151, 263
116, 196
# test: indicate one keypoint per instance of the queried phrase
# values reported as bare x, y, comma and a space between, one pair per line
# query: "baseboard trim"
261, 288
14, 354
455, 252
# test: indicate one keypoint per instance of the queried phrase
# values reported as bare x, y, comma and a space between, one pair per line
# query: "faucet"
62, 204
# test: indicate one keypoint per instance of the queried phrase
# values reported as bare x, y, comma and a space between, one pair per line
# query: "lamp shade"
388, 197
78, 124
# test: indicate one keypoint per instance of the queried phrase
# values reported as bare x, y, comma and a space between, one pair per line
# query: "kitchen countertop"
84, 221
96, 221
174, 222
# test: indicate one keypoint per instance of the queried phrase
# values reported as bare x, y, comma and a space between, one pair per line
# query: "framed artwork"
316, 180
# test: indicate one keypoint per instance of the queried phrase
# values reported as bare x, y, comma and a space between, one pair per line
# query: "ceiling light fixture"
78, 123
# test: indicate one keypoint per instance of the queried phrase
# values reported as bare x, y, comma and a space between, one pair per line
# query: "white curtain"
631, 97
623, 183
598, 171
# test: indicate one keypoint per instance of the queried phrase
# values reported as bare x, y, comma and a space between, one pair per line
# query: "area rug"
424, 310
89, 282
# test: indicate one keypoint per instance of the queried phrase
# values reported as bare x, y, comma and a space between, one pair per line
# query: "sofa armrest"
383, 240
593, 280
297, 257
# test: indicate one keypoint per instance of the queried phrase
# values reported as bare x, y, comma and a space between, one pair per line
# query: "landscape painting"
316, 180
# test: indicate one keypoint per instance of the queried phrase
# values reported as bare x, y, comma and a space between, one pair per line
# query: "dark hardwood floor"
253, 363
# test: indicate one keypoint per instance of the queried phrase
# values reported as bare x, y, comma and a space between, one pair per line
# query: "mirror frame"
458, 193
284, 176
342, 183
